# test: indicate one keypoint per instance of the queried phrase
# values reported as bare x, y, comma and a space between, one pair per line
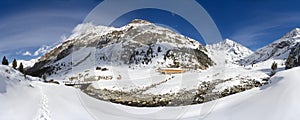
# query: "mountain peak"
227, 39
232, 50
139, 21
295, 33
229, 42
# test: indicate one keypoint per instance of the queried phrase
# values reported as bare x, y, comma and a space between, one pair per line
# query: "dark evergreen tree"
4, 61
21, 68
274, 68
176, 63
15, 64
44, 77
298, 64
289, 62
25, 76
159, 49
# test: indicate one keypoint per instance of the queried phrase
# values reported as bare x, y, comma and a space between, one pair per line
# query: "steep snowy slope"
231, 50
278, 50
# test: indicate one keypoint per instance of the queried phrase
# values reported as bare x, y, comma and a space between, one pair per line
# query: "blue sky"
28, 25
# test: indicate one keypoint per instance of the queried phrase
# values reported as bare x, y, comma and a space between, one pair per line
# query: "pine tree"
159, 49
15, 64
44, 77
4, 61
298, 61
21, 68
274, 66
25, 76
289, 62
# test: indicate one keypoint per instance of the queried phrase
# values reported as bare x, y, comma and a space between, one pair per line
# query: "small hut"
171, 70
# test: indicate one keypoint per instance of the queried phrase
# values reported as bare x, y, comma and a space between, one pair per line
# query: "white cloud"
42, 50
27, 53
36, 28
63, 38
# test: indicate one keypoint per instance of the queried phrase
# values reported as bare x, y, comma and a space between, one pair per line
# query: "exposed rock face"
138, 43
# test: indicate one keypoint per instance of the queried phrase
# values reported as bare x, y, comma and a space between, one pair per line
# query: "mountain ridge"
277, 50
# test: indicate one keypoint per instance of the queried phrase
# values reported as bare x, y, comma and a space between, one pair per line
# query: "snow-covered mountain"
230, 50
278, 50
139, 44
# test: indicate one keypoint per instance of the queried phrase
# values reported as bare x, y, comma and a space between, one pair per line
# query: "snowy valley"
144, 71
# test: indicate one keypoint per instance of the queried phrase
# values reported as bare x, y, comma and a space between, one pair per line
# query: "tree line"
14, 64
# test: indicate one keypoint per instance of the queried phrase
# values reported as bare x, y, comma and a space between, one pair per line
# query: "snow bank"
276, 101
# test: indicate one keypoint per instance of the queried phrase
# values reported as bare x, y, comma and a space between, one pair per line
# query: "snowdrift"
276, 101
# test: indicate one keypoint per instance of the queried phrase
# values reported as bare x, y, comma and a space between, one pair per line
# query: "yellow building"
171, 70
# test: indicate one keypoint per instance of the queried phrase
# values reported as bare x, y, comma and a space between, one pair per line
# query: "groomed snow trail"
44, 112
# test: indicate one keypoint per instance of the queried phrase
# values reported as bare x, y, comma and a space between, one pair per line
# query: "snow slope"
41, 101
9, 77
17, 96
276, 101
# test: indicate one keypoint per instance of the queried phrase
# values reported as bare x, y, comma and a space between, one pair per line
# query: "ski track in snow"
44, 112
